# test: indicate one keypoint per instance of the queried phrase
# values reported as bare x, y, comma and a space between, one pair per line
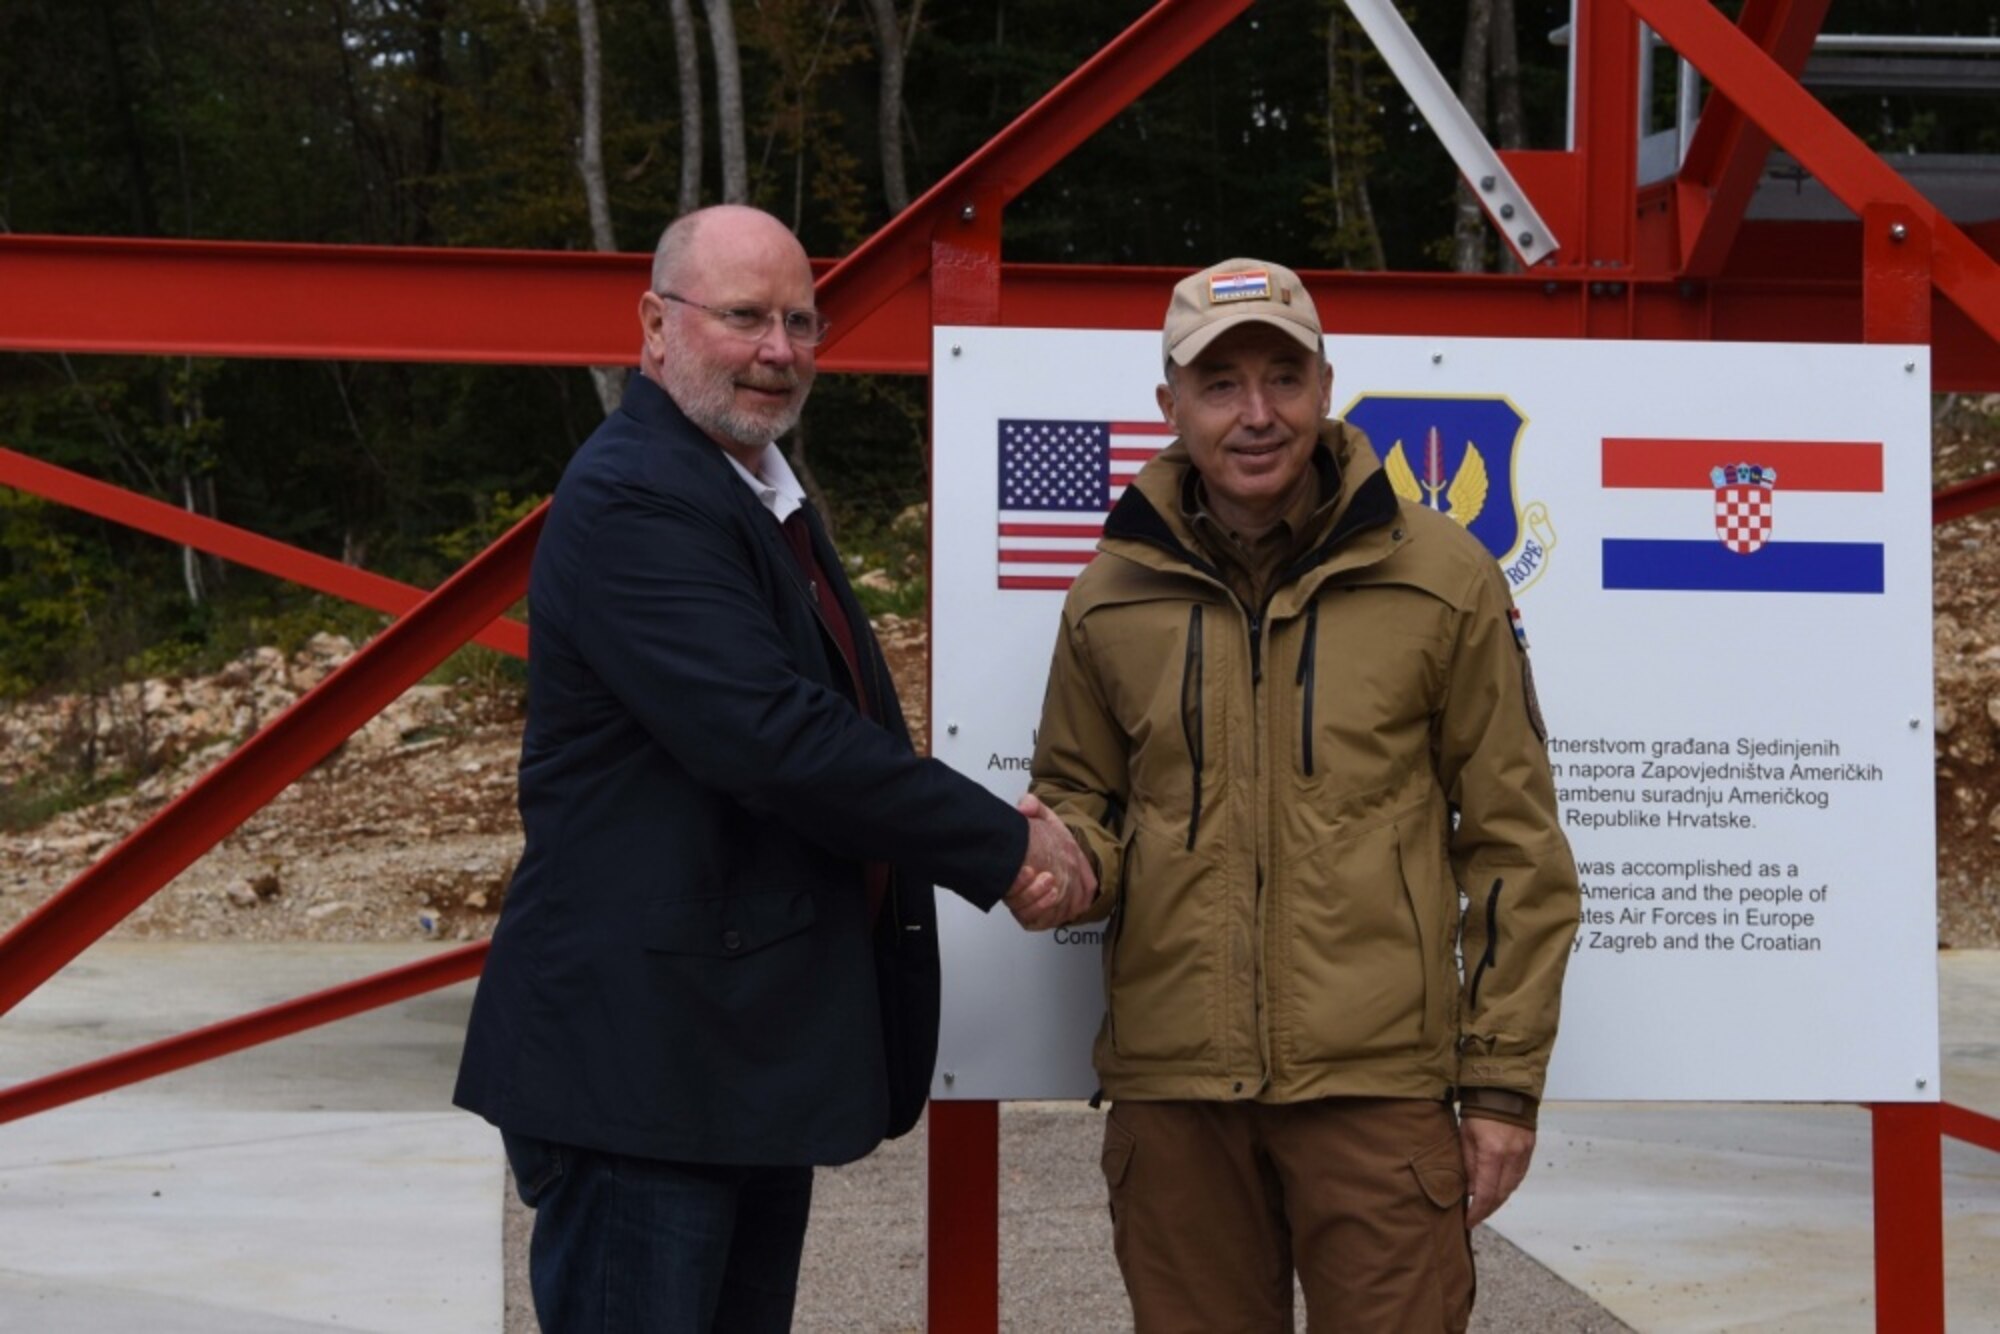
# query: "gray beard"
710, 403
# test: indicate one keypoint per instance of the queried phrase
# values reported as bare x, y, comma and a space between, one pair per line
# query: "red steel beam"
252, 299
1725, 159
1963, 498
1849, 169
234, 1035
1909, 1165
1786, 281
962, 1239
98, 899
1015, 158
1606, 90
962, 1294
232, 543
1962, 1123
1909, 1218
112, 295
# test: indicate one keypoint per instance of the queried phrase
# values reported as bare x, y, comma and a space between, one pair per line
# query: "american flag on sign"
1058, 479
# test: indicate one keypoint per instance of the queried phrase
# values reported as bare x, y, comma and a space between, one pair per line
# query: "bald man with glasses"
717, 962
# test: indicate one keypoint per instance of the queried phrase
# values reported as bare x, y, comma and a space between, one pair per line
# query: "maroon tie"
798, 536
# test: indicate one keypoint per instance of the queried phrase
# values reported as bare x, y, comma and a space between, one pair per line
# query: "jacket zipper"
1191, 720
1492, 942
1308, 671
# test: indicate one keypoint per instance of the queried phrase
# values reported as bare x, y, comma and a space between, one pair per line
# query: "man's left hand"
1496, 1158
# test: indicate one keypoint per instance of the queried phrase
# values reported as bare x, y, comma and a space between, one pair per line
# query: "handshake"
1055, 883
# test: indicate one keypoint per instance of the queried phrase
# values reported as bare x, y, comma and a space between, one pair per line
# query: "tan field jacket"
1328, 840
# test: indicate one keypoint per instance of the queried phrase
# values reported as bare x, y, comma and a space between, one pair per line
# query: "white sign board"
1721, 553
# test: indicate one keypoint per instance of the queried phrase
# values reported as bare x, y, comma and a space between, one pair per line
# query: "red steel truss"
1677, 260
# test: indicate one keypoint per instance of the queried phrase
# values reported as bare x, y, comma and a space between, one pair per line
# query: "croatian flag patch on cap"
1244, 285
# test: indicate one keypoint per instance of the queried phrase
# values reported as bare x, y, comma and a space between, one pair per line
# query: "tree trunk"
889, 103
687, 60
1364, 204
1509, 125
1469, 234
1357, 243
610, 381
1334, 180
729, 102
190, 558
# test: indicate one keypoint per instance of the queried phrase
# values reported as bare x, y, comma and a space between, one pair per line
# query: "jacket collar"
1150, 512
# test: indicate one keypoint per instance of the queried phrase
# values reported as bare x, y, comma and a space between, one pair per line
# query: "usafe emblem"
1459, 455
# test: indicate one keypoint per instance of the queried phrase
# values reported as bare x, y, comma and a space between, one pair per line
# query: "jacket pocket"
1367, 947
727, 926
1162, 968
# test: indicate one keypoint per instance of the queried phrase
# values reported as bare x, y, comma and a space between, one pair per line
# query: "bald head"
686, 243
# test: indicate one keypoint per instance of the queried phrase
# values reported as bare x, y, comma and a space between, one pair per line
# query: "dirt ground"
409, 829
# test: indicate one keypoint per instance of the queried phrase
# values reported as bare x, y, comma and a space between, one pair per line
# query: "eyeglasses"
807, 328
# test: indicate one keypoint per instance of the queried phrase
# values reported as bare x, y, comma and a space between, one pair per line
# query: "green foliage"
52, 583
40, 798
492, 516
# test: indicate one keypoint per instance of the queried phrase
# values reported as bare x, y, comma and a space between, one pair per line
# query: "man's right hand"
1056, 882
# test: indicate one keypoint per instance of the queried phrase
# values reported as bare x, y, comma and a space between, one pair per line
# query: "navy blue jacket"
685, 967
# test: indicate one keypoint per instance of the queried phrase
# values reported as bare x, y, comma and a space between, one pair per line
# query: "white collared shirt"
774, 483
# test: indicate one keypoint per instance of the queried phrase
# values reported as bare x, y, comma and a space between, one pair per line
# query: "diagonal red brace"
1017, 157
232, 543
1836, 157
1725, 160
294, 741
1967, 497
1962, 1123
250, 1030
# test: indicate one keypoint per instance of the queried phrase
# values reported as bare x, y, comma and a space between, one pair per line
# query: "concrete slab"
1693, 1217
322, 1182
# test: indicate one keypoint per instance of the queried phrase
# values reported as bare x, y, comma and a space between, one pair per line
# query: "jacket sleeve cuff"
1516, 1109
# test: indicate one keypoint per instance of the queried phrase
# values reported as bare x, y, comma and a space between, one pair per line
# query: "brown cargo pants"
1214, 1205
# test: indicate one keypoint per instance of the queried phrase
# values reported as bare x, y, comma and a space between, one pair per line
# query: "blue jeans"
623, 1245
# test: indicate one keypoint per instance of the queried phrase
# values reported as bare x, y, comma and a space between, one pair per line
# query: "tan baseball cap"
1237, 291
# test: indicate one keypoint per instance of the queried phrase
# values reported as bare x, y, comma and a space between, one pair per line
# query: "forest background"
586, 124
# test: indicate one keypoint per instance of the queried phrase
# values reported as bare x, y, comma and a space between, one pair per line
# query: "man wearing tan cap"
1290, 720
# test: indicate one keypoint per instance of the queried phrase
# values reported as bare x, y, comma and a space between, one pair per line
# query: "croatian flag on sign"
1743, 516
1058, 479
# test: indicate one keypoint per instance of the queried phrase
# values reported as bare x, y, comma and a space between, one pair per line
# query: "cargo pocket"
1440, 1175
1440, 1172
